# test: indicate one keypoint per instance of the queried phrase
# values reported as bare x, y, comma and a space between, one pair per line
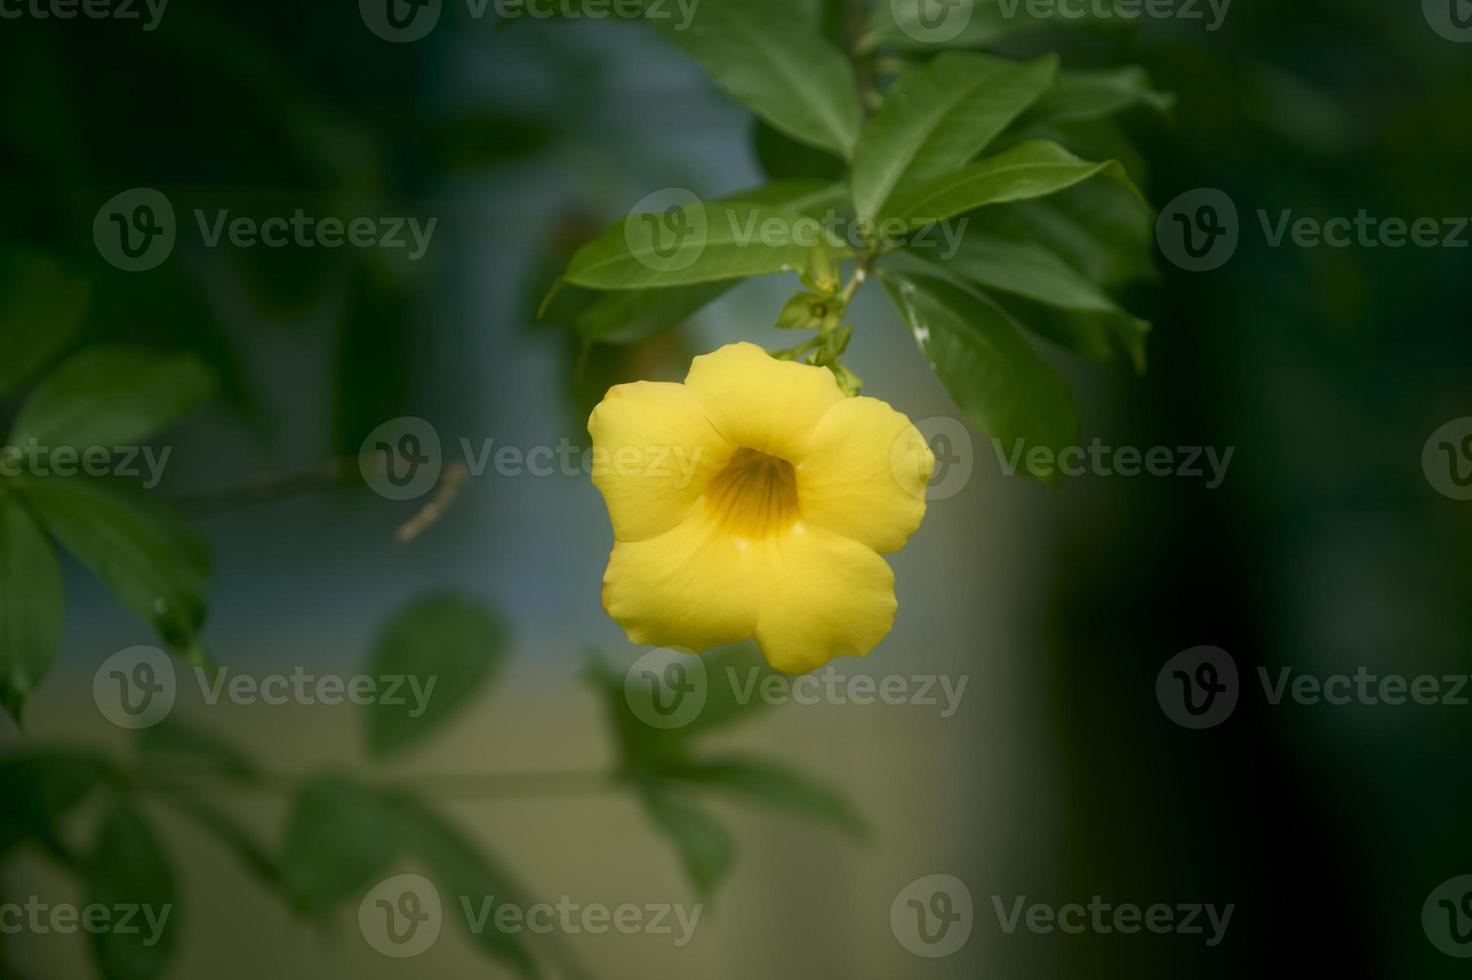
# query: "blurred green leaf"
1063, 306
173, 745
41, 308
154, 565
633, 316
778, 65
453, 645
229, 833
991, 372
940, 117
128, 867
1080, 95
694, 244
32, 605
770, 784
1030, 170
900, 24
39, 787
460, 868
111, 396
339, 836
783, 158
706, 849
373, 361
1099, 227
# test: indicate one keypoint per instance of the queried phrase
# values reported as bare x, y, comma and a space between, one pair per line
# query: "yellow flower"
755, 499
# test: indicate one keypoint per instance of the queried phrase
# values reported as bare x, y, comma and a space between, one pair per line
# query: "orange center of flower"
755, 496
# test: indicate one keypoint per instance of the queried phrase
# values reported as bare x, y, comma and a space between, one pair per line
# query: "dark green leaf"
31, 605
39, 788
461, 869
111, 396
1100, 228
452, 646
1033, 169
228, 832
372, 357
706, 849
1080, 95
41, 308
778, 65
128, 867
769, 784
784, 158
154, 566
1000, 382
635, 315
940, 117
1062, 304
339, 837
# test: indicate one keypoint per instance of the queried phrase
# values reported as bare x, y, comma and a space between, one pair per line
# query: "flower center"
754, 496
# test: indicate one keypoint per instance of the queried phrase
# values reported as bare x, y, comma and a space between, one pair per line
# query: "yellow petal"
690, 587
821, 596
759, 402
654, 451
863, 474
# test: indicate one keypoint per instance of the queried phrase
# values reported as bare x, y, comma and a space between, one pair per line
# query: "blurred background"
1327, 548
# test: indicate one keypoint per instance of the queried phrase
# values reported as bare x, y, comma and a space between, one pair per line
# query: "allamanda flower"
756, 499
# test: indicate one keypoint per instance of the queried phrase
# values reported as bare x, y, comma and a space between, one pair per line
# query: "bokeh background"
1326, 548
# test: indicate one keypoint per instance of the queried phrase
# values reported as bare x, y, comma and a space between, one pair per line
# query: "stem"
858, 26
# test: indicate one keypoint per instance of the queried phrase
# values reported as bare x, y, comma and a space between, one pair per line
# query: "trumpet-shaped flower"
755, 499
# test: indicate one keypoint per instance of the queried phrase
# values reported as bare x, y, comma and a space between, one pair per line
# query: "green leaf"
174, 746
1030, 170
991, 372
1062, 304
227, 831
155, 566
460, 868
128, 867
706, 849
1100, 228
339, 837
39, 788
694, 244
635, 315
452, 646
778, 66
810, 198
41, 308
783, 158
939, 117
769, 784
111, 396
32, 605
1082, 95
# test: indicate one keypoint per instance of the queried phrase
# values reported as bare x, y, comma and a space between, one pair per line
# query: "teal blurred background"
1326, 548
